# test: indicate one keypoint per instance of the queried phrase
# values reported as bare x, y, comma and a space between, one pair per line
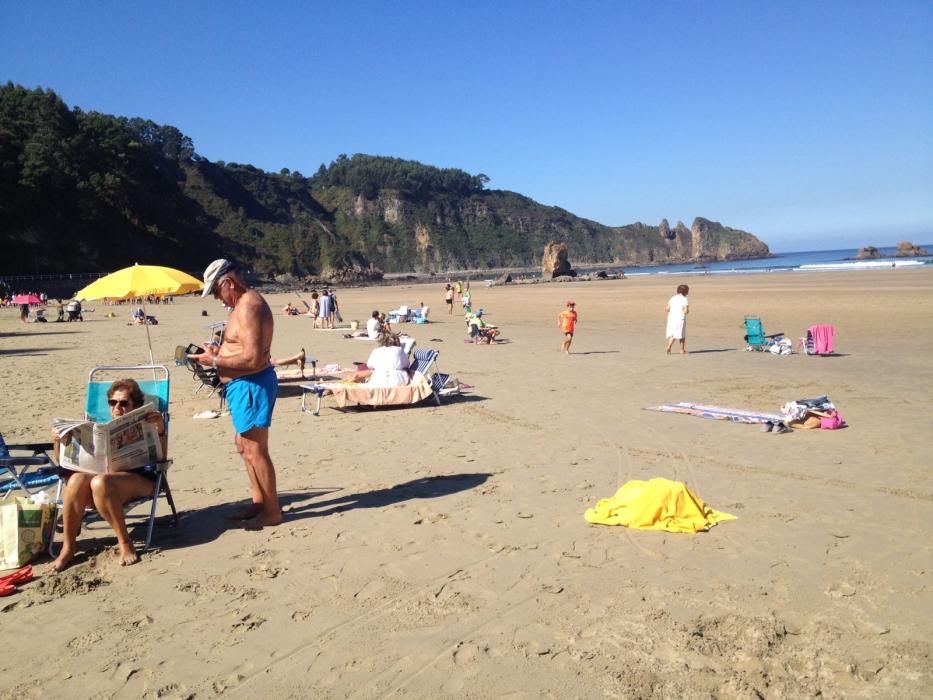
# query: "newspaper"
125, 443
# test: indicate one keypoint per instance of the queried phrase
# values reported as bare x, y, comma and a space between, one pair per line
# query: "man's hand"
205, 358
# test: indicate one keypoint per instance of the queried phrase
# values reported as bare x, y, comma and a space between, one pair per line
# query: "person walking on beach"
677, 310
243, 362
326, 313
449, 299
567, 320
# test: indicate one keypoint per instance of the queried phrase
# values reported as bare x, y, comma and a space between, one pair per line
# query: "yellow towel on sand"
658, 504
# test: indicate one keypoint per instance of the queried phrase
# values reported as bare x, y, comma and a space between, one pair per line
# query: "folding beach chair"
755, 337
32, 470
426, 363
154, 382
216, 332
820, 340
205, 376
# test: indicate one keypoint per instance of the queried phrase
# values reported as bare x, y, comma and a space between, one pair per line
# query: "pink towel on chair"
822, 338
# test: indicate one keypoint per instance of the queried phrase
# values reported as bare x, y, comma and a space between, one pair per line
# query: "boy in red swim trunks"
567, 320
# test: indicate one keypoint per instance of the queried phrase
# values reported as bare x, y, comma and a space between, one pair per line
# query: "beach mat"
736, 415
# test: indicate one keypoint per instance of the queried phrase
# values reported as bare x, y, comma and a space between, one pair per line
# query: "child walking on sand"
567, 320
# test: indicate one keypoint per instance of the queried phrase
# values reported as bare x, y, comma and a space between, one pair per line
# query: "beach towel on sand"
736, 415
658, 504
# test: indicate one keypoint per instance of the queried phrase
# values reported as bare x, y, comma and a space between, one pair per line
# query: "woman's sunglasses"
122, 403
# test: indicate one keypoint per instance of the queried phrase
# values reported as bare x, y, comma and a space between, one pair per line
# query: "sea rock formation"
906, 249
868, 252
555, 263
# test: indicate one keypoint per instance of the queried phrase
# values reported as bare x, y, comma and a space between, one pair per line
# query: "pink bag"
834, 421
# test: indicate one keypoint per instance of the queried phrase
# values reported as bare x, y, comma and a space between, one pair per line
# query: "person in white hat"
243, 362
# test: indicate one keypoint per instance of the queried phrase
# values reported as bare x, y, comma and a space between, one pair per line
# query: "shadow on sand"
428, 487
28, 352
205, 525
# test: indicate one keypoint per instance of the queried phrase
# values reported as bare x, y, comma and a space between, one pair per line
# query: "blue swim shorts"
251, 399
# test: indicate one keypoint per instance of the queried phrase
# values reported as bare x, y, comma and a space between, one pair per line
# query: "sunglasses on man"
122, 403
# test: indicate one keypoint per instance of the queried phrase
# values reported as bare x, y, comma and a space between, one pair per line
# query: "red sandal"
21, 576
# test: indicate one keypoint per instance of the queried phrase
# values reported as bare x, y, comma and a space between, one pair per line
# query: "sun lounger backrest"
424, 358
157, 390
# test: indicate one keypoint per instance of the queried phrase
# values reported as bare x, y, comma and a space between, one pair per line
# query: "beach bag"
25, 530
832, 422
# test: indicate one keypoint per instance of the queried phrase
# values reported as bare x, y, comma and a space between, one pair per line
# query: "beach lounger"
755, 337
27, 467
426, 382
426, 364
154, 382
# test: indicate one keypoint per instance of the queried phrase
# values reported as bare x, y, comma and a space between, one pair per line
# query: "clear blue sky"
809, 123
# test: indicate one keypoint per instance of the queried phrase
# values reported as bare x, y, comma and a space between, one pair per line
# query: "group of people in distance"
322, 309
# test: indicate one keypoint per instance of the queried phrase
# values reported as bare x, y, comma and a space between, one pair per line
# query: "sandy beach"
442, 552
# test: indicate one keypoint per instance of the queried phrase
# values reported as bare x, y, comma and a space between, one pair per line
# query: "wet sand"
442, 552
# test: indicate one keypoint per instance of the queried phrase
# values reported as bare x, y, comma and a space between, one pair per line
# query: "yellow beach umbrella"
140, 281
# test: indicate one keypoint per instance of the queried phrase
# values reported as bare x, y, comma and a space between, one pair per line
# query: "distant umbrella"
139, 281
27, 299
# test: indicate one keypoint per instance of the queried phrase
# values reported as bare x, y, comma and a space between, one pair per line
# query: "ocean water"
802, 261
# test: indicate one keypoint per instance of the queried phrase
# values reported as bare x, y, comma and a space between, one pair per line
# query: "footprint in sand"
248, 622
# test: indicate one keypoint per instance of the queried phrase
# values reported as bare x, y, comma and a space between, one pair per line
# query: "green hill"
84, 191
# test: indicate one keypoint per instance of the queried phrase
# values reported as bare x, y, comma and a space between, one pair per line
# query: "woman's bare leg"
76, 496
111, 492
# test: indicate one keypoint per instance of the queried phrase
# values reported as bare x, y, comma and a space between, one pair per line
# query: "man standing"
243, 363
567, 320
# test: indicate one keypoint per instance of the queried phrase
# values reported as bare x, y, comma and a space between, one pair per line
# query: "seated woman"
388, 364
139, 316
480, 331
108, 492
373, 330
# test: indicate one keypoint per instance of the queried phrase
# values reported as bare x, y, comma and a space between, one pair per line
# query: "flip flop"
18, 577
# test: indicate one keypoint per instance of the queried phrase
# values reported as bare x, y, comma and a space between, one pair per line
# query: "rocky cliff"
495, 229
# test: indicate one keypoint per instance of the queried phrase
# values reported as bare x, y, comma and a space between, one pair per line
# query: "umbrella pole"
146, 324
